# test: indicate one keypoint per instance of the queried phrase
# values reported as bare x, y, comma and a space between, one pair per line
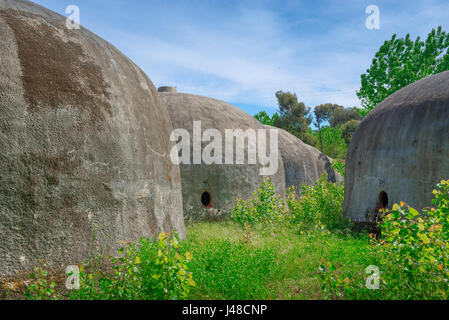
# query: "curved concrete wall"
223, 182
401, 148
303, 164
84, 143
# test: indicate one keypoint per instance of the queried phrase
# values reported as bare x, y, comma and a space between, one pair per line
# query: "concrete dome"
303, 164
84, 143
210, 190
400, 150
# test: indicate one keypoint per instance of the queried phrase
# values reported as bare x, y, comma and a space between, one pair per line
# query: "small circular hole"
383, 200
206, 199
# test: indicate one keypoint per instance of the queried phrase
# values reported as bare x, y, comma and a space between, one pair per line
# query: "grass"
278, 265
233, 263
265, 251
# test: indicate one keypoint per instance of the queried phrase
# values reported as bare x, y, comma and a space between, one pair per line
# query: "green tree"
264, 118
309, 138
348, 129
399, 62
341, 115
333, 143
347, 119
294, 117
322, 113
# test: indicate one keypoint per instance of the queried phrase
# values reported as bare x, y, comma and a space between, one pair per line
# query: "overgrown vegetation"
411, 256
270, 249
265, 208
416, 248
41, 288
142, 270
319, 207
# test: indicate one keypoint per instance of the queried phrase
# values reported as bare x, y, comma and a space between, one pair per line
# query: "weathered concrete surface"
303, 164
224, 182
84, 142
401, 148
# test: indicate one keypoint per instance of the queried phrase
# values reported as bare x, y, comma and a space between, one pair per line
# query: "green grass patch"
278, 265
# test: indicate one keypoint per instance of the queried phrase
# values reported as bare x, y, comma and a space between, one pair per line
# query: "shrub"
339, 166
40, 287
266, 208
416, 248
320, 206
164, 271
142, 270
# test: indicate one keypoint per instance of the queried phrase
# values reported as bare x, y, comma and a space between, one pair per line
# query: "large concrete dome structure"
303, 164
400, 150
84, 144
210, 190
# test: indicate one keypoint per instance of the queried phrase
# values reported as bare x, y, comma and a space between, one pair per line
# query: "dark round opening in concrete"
206, 199
383, 199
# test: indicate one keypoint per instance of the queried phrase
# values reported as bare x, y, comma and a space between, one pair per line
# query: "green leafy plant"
416, 247
40, 287
266, 208
166, 276
334, 284
142, 270
339, 166
319, 207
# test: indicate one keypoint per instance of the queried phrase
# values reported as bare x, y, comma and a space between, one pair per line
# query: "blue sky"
243, 51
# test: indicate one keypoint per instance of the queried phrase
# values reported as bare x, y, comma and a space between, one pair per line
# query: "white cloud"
247, 50
248, 66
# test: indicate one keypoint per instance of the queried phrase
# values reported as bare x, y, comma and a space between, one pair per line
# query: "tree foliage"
333, 144
335, 136
322, 113
334, 122
348, 129
341, 115
264, 118
294, 117
400, 62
